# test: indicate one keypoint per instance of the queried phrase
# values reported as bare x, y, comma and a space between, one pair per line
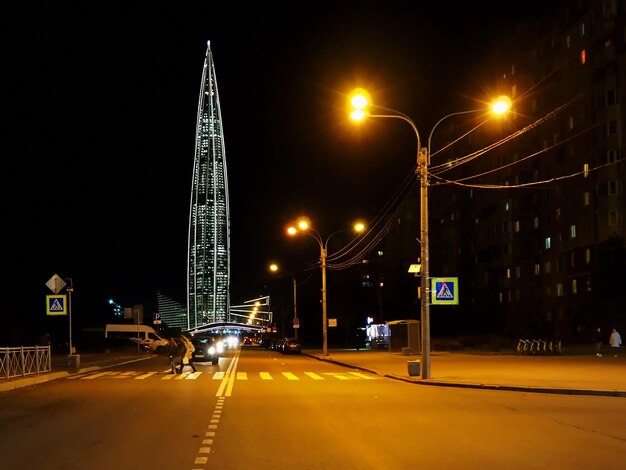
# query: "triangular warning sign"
56, 306
445, 292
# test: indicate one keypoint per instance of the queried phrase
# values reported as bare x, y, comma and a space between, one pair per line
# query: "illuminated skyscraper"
208, 265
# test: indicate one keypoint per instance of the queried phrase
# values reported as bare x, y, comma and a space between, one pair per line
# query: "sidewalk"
61, 367
579, 374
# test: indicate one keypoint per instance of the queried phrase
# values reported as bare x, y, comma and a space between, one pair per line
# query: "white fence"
22, 361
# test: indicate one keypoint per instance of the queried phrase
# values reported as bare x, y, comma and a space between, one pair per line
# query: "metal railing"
24, 360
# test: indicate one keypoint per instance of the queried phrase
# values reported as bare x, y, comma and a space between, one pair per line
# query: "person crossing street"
188, 355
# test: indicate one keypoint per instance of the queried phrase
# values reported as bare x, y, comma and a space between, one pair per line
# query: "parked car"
207, 350
289, 346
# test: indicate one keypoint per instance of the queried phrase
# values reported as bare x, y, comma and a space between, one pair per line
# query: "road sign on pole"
445, 291
55, 284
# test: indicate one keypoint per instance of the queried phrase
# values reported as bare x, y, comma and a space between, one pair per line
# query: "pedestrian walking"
176, 350
188, 355
597, 338
615, 341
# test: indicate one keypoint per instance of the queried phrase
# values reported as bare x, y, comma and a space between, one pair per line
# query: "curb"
509, 388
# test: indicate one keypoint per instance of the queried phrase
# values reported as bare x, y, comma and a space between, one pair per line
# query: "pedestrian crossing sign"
444, 291
56, 304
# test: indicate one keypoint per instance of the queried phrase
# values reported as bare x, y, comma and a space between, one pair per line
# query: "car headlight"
211, 350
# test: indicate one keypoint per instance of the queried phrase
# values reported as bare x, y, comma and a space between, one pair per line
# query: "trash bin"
73, 360
414, 367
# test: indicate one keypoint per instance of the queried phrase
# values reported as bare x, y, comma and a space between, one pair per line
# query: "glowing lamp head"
501, 105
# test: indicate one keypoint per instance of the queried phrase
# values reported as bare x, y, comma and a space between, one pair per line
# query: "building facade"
534, 229
208, 268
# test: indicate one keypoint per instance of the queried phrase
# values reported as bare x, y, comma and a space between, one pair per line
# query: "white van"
143, 335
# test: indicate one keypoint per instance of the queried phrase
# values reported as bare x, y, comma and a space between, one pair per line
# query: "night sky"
101, 124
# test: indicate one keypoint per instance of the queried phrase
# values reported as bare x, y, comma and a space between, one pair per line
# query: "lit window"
582, 29
516, 225
548, 243
587, 255
586, 169
559, 290
548, 267
572, 231
537, 269
508, 273
536, 222
586, 198
574, 286
568, 41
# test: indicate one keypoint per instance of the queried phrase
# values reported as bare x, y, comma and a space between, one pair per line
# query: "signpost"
56, 305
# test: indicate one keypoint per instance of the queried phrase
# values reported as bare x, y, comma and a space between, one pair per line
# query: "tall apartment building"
534, 229
208, 272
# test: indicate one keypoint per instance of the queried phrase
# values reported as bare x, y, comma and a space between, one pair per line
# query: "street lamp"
303, 225
274, 268
360, 100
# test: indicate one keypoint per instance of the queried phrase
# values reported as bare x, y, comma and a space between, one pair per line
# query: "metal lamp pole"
422, 174
360, 102
305, 228
295, 307
324, 314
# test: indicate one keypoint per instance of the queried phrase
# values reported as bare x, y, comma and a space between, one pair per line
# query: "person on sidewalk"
188, 356
615, 341
597, 338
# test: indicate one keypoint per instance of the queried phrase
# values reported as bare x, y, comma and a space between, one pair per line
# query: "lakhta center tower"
208, 265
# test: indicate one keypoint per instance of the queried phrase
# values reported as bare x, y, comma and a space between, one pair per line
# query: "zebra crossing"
220, 375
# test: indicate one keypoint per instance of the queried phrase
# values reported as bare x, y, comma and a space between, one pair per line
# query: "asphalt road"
261, 409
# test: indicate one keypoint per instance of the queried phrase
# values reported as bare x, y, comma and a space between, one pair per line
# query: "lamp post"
303, 225
274, 267
360, 101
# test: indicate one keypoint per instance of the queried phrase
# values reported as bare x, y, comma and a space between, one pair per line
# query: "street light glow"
501, 105
359, 100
